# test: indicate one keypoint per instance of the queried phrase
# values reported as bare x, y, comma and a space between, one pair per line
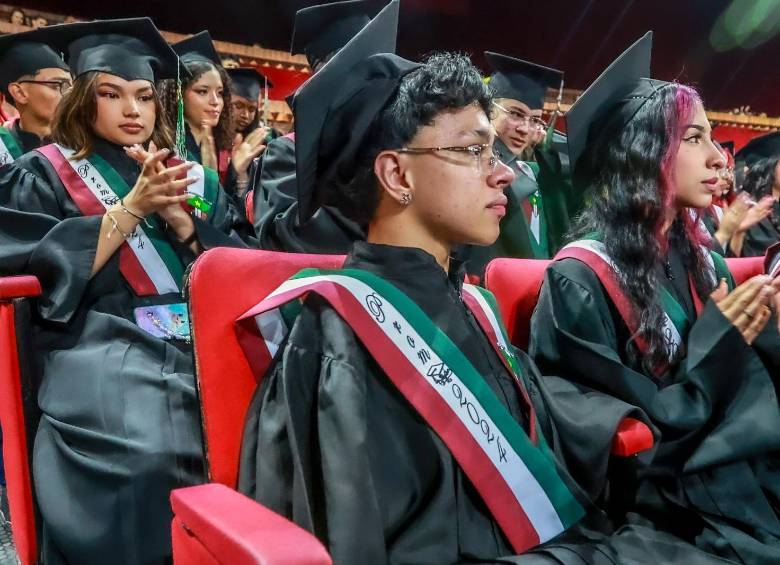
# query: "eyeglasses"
520, 119
62, 86
485, 155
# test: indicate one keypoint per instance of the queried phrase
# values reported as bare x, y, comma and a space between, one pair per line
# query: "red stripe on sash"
89, 205
491, 486
487, 327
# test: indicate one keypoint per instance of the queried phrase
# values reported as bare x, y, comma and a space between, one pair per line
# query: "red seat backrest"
16, 455
516, 284
224, 283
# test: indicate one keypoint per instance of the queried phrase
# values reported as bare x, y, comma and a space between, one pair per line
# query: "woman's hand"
157, 187
208, 148
733, 215
747, 306
245, 150
757, 212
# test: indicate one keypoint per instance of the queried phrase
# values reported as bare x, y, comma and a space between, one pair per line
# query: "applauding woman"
109, 240
639, 309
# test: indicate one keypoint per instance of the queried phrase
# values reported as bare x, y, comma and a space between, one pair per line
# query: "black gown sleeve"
276, 210
717, 391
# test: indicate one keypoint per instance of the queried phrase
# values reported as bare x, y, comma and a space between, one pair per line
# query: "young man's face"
458, 196
517, 125
40, 96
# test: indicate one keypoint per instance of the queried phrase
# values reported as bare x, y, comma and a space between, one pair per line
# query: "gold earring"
406, 198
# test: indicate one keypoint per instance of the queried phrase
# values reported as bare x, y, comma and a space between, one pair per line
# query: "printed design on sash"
147, 260
10, 149
517, 479
205, 187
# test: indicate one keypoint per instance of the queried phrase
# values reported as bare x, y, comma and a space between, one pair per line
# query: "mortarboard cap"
26, 53
247, 82
623, 88
324, 29
521, 80
132, 49
335, 109
764, 147
198, 47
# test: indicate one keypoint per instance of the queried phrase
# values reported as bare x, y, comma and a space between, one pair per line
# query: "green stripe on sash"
14, 149
538, 460
156, 233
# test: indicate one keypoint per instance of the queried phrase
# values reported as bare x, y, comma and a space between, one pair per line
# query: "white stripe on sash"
199, 186
140, 244
525, 487
669, 330
489, 314
5, 153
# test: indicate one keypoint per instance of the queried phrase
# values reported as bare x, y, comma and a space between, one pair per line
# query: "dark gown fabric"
276, 210
26, 140
715, 479
764, 234
332, 444
120, 425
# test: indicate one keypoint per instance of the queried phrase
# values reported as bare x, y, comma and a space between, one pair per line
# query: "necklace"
668, 269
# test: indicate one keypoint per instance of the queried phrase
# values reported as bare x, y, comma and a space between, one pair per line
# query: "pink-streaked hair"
677, 117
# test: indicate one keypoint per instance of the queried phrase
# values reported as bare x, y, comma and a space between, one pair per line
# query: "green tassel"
181, 143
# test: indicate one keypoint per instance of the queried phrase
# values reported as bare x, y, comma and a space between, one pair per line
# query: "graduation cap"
132, 49
324, 29
521, 80
247, 82
26, 53
622, 89
335, 109
199, 47
764, 147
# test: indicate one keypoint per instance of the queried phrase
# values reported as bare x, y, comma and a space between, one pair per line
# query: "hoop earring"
406, 198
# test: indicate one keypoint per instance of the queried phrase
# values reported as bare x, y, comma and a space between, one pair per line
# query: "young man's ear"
18, 95
393, 176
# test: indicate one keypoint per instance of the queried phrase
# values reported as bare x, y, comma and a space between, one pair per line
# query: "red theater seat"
14, 389
215, 524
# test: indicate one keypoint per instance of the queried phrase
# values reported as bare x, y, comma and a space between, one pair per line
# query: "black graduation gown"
332, 444
26, 140
276, 210
120, 426
715, 478
764, 234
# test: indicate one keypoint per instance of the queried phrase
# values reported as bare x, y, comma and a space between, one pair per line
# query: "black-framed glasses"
62, 86
520, 119
484, 154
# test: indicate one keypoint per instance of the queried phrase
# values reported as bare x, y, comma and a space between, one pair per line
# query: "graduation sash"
534, 211
676, 322
514, 472
10, 150
147, 260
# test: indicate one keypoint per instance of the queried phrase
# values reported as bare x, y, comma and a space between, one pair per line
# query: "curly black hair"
223, 136
627, 172
445, 81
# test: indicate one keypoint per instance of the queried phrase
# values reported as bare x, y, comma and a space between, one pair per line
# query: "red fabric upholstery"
516, 284
745, 267
15, 452
215, 524
225, 283
632, 437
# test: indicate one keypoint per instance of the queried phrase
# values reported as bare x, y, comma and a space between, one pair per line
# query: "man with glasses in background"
33, 78
519, 88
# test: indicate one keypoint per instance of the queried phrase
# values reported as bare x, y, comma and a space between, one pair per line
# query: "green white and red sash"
514, 472
676, 323
206, 186
10, 150
147, 260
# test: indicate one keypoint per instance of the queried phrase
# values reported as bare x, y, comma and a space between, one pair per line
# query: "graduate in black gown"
109, 240
360, 452
33, 78
762, 183
638, 309
319, 32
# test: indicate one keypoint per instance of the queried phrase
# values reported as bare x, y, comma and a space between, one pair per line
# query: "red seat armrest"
19, 286
632, 437
236, 529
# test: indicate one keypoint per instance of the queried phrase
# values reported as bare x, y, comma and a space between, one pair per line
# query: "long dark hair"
72, 124
760, 180
628, 171
223, 137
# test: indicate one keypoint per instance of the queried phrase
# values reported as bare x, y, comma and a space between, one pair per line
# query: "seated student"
33, 78
621, 312
395, 422
762, 183
319, 32
110, 241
